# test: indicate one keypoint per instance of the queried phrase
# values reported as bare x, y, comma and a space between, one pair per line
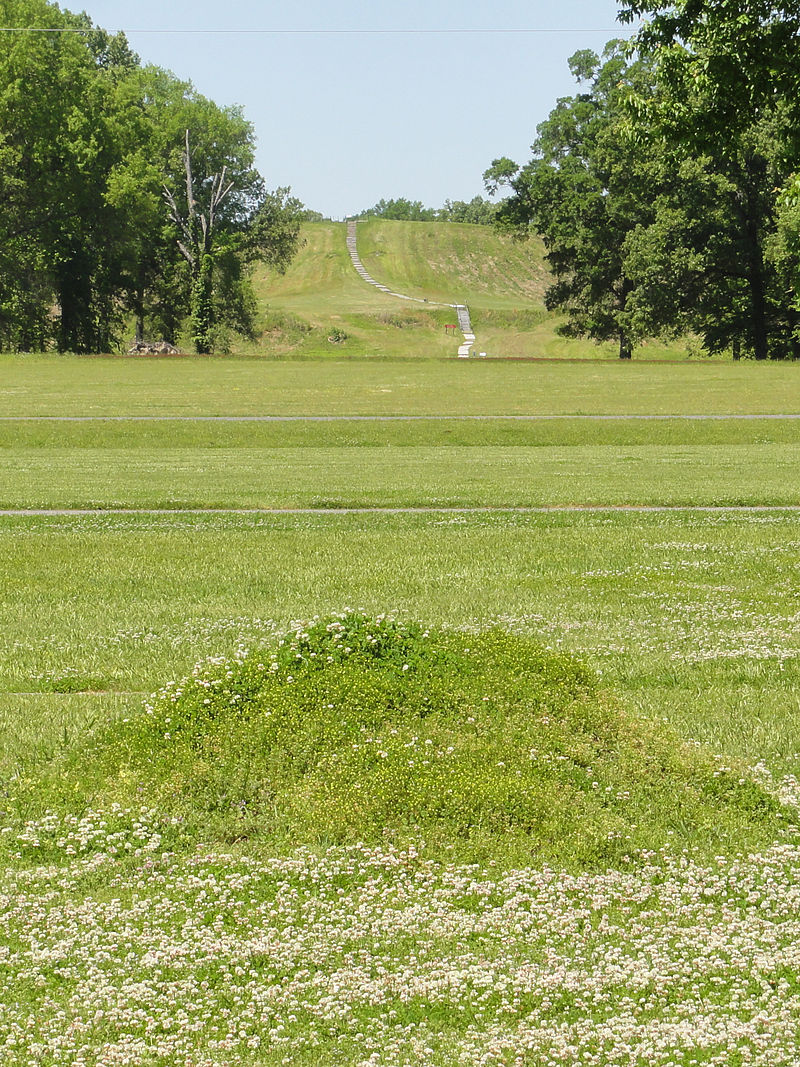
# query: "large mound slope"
455, 262
322, 307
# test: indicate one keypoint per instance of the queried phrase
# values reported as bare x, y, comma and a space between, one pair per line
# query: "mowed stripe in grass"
477, 432
68, 385
423, 476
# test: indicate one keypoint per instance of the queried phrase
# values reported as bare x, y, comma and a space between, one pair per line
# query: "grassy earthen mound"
482, 746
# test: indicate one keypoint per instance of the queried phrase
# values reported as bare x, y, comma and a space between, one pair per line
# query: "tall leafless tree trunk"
196, 241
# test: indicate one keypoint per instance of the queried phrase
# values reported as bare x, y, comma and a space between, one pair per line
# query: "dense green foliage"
353, 728
665, 189
586, 191
92, 143
728, 77
477, 211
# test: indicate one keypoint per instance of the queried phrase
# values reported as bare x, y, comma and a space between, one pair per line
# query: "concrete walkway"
750, 417
555, 509
466, 328
461, 309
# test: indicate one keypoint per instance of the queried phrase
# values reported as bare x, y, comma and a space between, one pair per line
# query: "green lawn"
454, 262
322, 296
121, 942
80, 386
422, 476
479, 432
691, 615
444, 461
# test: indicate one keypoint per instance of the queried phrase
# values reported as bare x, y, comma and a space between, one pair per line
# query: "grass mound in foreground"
482, 746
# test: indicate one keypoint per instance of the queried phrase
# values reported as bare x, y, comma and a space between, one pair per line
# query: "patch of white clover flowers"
376, 956
320, 641
114, 831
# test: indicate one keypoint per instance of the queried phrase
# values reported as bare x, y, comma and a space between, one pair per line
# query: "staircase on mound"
461, 310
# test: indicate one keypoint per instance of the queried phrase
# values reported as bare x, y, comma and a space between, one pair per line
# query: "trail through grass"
454, 262
321, 308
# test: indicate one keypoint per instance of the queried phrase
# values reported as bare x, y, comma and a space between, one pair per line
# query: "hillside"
455, 262
321, 306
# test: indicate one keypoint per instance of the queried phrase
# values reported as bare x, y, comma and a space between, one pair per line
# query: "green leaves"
88, 141
658, 188
587, 187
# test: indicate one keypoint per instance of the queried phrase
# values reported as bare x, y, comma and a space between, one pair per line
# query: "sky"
405, 106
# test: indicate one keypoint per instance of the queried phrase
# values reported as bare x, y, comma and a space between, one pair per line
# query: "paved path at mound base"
386, 418
555, 509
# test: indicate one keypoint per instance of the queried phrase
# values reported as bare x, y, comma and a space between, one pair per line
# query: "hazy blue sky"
348, 118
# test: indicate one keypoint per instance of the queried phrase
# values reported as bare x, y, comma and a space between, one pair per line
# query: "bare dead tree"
195, 231
195, 228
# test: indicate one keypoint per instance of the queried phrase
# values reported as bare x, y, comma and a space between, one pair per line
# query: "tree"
219, 246
656, 217
401, 209
729, 75
477, 211
274, 233
586, 190
196, 235
739, 59
709, 262
89, 141
90, 236
52, 137
75, 146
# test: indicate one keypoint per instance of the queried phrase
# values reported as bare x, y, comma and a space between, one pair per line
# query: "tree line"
127, 199
478, 211
667, 189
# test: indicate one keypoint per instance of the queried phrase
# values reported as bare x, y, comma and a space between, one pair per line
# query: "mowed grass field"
416, 475
451, 459
121, 942
60, 386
